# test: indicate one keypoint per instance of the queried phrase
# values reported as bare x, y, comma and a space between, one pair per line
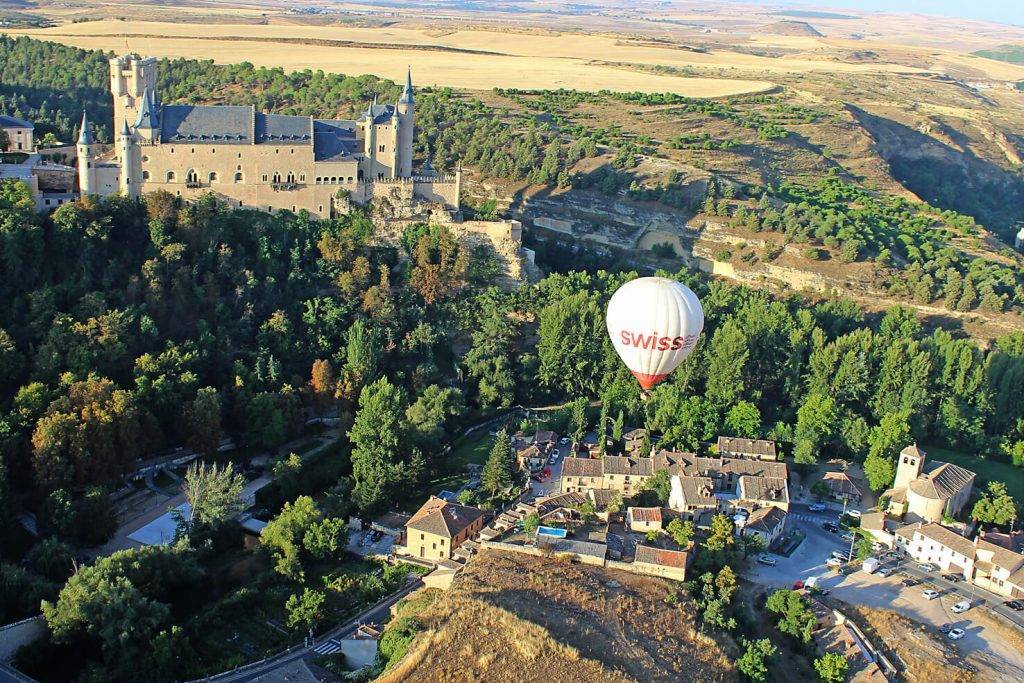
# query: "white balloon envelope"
654, 323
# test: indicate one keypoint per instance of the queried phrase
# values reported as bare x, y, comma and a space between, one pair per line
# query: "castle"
255, 160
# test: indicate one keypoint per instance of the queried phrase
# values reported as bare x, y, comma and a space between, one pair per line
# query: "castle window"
239, 167
213, 150
238, 177
239, 155
213, 177
172, 150
291, 177
321, 209
293, 207
145, 158
145, 175
350, 179
170, 176
191, 176
193, 150
277, 177
277, 151
264, 177
382, 148
302, 177
293, 151
268, 209
334, 180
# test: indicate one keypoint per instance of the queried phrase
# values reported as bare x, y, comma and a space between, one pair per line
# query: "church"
254, 160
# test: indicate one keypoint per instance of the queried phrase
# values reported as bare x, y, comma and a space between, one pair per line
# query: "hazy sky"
1003, 11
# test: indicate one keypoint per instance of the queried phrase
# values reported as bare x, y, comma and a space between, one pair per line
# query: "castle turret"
126, 152
86, 153
404, 122
147, 126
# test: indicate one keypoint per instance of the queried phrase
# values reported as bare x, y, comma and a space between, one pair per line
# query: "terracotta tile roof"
872, 521
734, 445
947, 538
663, 558
582, 467
741, 466
1017, 578
645, 514
545, 506
765, 519
545, 436
896, 495
639, 467
441, 518
602, 497
568, 545
943, 481
915, 451
908, 530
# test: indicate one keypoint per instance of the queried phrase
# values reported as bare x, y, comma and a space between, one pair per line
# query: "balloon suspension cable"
645, 394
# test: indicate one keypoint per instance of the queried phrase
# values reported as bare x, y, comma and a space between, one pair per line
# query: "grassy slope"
1004, 53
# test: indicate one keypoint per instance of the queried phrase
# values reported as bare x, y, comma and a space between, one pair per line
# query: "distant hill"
512, 617
790, 28
811, 14
1004, 53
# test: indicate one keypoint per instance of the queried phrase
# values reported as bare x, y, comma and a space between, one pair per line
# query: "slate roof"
766, 519
223, 124
664, 558
582, 467
617, 464
334, 140
442, 518
282, 129
741, 466
763, 488
12, 122
943, 481
380, 113
84, 134
734, 445
697, 491
147, 119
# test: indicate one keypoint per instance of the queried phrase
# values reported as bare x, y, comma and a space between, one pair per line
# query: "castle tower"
85, 149
405, 113
131, 77
909, 466
147, 125
127, 152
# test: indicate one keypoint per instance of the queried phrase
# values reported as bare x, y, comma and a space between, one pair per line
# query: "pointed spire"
85, 135
147, 118
407, 93
124, 129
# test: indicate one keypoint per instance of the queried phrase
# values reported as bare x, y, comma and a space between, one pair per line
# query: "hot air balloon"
654, 323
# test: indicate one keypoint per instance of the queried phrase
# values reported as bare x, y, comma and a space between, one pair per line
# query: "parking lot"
874, 590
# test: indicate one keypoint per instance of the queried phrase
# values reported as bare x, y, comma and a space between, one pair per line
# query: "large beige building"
255, 160
439, 527
926, 491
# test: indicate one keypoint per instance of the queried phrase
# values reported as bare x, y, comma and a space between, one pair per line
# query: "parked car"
956, 634
831, 527
877, 547
564, 440
798, 585
886, 571
910, 581
926, 566
853, 513
945, 628
930, 594
551, 460
764, 559
833, 562
555, 453
847, 537
953, 578
1015, 605
816, 507
961, 607
841, 555
377, 535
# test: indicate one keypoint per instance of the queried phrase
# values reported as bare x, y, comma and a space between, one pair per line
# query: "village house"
439, 527
767, 523
633, 440
737, 447
692, 496
643, 520
19, 134
670, 564
841, 486
927, 492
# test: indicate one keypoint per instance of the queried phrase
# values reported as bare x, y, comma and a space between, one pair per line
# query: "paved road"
873, 590
376, 614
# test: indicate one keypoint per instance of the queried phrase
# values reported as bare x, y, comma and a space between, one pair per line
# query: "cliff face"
945, 167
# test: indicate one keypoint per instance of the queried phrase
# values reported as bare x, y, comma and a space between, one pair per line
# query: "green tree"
757, 655
214, 494
831, 667
743, 419
570, 344
530, 523
203, 422
305, 609
578, 419
430, 414
499, 468
381, 458
816, 422
726, 360
995, 506
681, 532
879, 472
283, 536
795, 618
326, 538
52, 559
